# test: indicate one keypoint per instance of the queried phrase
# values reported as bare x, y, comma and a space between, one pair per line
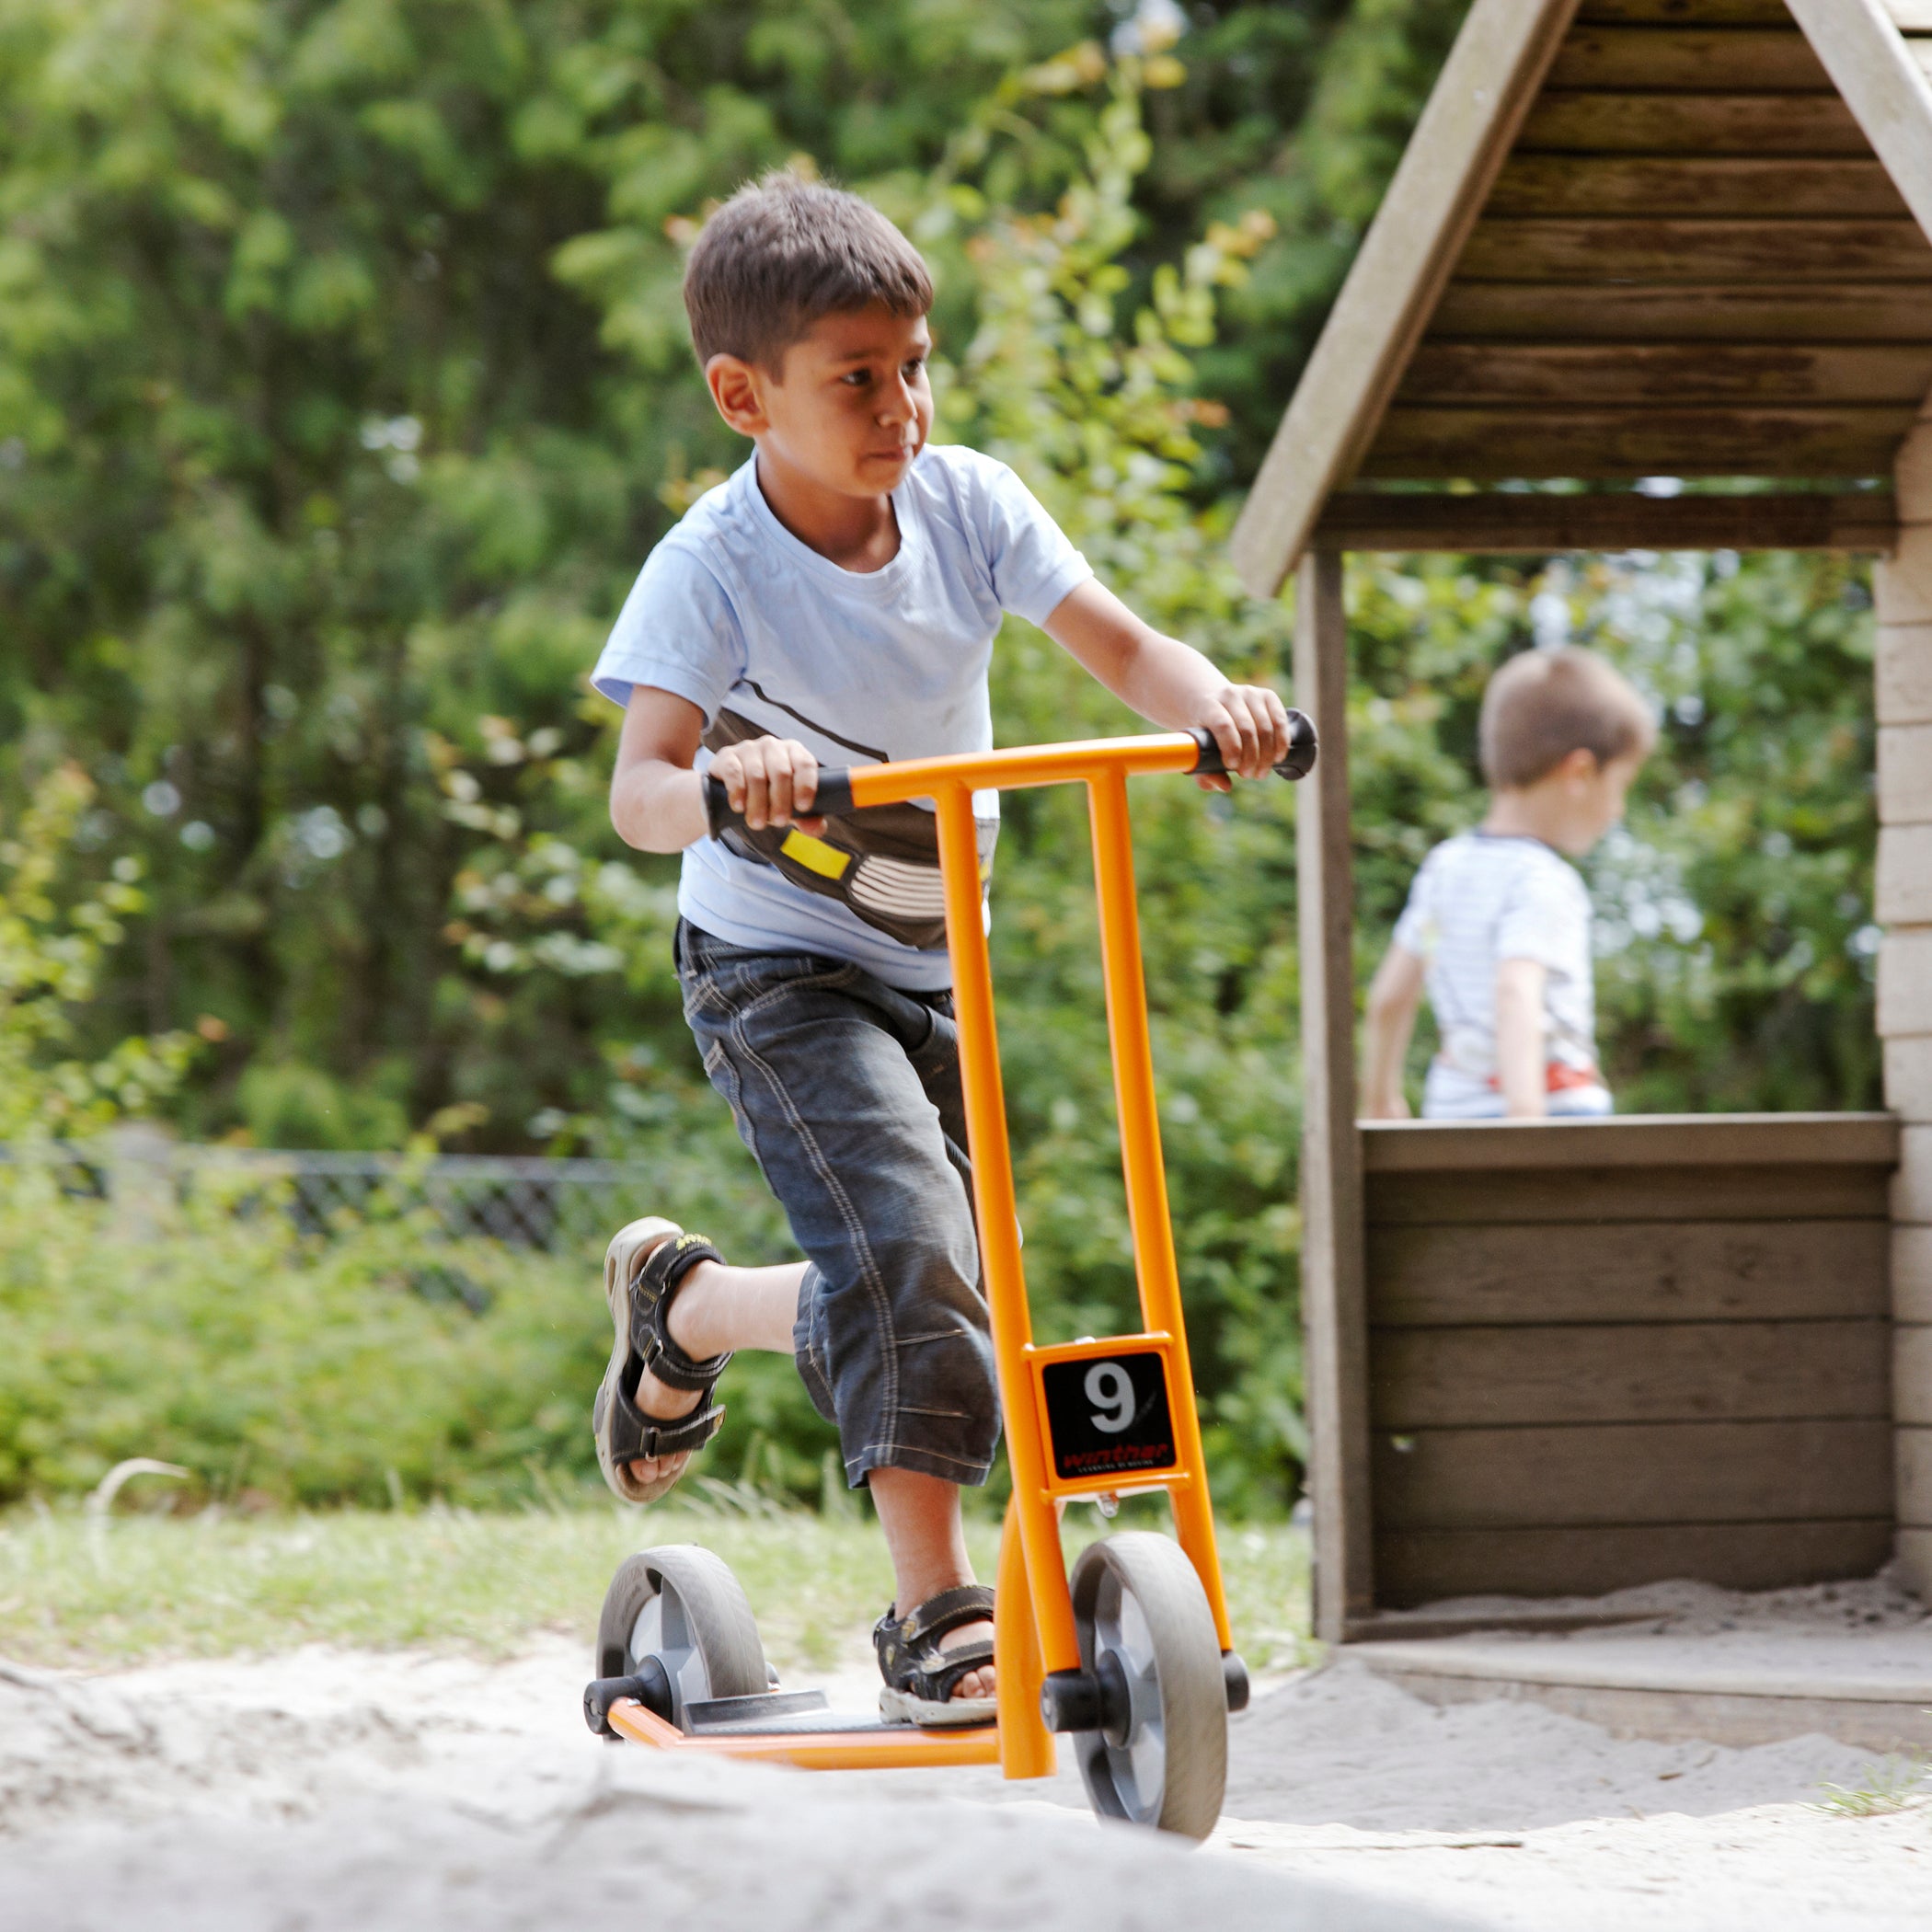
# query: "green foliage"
54, 942
328, 1367
304, 1370
287, 1104
1353, 112
1735, 910
343, 387
341, 365
1095, 408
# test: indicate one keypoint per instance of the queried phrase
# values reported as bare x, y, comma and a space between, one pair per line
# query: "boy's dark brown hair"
782, 253
1543, 705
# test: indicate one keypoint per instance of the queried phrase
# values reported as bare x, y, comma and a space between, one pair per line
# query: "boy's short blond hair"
784, 252
1543, 705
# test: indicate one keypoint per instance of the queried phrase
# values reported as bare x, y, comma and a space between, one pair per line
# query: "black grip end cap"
1301, 747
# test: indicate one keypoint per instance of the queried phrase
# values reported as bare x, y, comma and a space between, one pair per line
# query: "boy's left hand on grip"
1285, 747
1249, 727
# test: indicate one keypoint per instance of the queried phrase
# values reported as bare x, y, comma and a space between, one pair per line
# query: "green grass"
1892, 1783
136, 1588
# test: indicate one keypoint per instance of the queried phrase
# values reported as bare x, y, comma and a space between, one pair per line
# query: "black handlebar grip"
831, 800
1298, 764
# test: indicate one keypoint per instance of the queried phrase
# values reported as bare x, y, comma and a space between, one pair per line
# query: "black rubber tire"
1143, 1621
702, 1631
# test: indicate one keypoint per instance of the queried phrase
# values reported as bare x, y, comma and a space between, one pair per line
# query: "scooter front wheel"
1147, 1640
682, 1607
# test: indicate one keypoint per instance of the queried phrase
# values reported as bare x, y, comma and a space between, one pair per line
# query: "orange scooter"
1132, 1655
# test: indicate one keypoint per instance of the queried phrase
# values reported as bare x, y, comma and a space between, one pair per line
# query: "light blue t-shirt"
733, 613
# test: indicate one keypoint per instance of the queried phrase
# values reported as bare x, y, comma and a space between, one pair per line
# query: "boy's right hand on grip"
770, 781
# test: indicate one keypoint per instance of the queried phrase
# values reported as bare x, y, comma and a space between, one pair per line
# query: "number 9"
1111, 1390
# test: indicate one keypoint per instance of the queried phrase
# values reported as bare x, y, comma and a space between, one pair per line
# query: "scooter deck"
815, 1723
855, 1744
799, 1713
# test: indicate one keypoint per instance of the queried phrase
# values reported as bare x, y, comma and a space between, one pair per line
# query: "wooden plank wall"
1692, 263
1602, 1354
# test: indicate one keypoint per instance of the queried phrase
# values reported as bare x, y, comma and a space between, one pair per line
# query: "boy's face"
848, 407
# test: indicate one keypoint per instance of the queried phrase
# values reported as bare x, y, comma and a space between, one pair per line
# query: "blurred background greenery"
343, 388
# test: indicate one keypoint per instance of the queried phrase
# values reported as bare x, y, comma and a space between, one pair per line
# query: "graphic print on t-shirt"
883, 863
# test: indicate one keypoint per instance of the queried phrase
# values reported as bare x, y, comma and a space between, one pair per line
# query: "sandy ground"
330, 1789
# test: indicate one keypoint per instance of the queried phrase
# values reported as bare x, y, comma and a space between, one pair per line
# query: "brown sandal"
642, 1269
920, 1678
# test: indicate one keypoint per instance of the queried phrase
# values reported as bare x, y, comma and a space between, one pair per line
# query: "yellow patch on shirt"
815, 855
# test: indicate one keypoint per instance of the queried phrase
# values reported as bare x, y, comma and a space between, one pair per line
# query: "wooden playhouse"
1629, 239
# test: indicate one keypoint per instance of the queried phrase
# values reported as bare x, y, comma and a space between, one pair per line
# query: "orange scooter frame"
1034, 1627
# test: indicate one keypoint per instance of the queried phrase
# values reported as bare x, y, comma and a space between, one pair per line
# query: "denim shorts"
847, 1093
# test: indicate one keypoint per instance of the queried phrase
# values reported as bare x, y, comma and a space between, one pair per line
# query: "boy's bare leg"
920, 1516
719, 1308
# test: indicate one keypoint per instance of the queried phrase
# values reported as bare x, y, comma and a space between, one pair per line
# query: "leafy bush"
316, 1368
56, 936
291, 1104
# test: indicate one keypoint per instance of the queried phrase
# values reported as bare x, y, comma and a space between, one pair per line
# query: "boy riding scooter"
835, 603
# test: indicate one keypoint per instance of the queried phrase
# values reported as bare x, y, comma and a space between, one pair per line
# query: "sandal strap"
633, 1435
910, 1658
657, 1283
969, 1604
936, 1684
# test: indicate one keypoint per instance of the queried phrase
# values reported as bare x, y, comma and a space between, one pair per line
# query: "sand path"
328, 1791
413, 1790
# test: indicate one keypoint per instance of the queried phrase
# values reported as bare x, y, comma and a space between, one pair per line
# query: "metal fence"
523, 1202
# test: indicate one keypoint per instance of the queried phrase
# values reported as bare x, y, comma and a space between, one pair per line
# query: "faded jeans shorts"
847, 1093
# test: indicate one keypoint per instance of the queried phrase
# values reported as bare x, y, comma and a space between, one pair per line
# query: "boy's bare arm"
657, 802
1394, 997
1520, 1070
1170, 684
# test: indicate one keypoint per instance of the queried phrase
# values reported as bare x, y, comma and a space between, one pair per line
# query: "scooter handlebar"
833, 798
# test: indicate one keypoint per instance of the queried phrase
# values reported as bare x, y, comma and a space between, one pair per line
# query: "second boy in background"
1498, 925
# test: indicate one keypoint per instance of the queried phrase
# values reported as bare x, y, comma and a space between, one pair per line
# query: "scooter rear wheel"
683, 1606
1147, 1637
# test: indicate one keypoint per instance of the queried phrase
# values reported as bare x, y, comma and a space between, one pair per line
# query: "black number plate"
1108, 1415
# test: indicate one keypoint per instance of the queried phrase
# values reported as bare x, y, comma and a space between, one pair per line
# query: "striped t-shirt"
1479, 899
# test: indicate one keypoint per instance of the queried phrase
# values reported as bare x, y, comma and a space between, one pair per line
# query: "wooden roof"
1628, 239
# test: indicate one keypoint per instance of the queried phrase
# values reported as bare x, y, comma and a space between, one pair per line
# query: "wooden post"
1903, 588
1333, 1307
